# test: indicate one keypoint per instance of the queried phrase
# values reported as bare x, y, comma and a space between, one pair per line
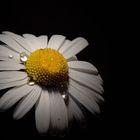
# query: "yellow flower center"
47, 67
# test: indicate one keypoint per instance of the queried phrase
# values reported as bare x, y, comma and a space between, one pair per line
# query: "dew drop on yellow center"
47, 67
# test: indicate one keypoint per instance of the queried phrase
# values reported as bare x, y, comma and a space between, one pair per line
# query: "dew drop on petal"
23, 57
10, 56
31, 83
64, 96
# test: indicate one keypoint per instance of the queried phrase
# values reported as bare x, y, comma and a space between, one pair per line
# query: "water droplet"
23, 57
10, 56
31, 83
64, 96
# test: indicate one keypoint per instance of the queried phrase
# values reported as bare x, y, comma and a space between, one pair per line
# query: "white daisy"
48, 75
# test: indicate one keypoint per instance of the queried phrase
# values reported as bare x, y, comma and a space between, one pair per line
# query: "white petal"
70, 110
56, 41
64, 46
42, 112
5, 52
83, 67
14, 95
84, 100
6, 59
13, 84
10, 66
76, 46
32, 41
9, 76
73, 58
74, 111
86, 91
91, 81
20, 40
59, 119
43, 40
27, 103
12, 44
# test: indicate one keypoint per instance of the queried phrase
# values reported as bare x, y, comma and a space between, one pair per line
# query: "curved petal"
74, 111
42, 112
84, 100
65, 46
5, 52
83, 67
56, 41
10, 66
73, 58
59, 118
19, 39
14, 95
43, 40
3, 58
32, 41
27, 103
91, 81
13, 84
86, 91
76, 46
9, 76
12, 44
6, 59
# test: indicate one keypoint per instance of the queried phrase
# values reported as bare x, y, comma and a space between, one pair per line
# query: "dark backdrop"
88, 20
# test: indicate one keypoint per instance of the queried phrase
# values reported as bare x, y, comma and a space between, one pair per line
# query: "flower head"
47, 74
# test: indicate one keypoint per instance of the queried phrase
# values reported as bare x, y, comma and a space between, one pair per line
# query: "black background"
71, 19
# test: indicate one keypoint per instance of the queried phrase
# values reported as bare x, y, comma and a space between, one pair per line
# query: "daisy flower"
47, 74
